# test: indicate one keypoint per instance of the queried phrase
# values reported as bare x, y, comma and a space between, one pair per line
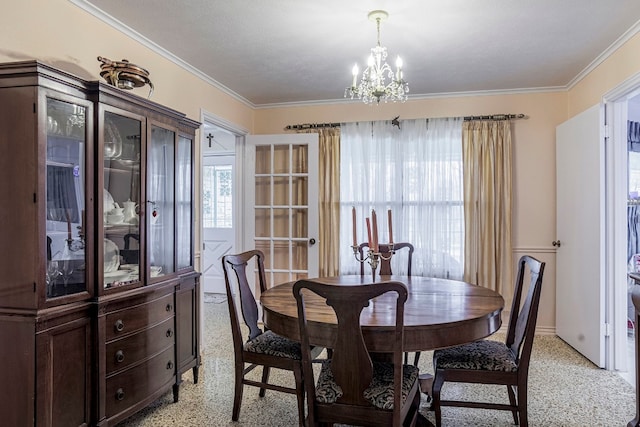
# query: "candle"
374, 221
390, 226
369, 233
66, 213
353, 218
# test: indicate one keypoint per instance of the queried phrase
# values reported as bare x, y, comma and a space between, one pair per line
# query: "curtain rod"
312, 126
337, 125
496, 117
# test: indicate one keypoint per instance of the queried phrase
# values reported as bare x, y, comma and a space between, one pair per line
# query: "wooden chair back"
235, 278
385, 250
523, 317
351, 363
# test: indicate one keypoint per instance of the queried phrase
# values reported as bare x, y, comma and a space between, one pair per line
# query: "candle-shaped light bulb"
371, 61
354, 71
399, 68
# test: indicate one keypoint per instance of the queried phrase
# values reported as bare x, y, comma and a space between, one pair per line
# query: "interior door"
281, 203
217, 219
580, 223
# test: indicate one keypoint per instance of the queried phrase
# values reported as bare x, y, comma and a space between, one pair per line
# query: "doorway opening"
217, 201
633, 223
622, 107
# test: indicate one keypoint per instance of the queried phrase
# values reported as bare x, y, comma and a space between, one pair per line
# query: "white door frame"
616, 182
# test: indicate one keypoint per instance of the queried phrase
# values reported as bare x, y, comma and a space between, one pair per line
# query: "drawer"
135, 318
136, 384
131, 349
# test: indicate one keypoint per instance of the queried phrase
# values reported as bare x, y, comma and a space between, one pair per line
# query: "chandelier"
379, 81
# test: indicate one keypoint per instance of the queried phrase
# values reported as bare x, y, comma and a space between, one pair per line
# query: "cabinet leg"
176, 392
195, 374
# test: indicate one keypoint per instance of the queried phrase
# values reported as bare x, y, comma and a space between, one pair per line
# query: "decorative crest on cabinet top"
124, 75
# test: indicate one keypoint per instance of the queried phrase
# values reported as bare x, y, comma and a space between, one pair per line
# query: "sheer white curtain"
416, 171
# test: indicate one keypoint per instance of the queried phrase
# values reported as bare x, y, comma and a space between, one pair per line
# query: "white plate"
119, 275
111, 256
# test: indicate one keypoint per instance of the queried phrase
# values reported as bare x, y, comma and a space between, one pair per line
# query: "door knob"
312, 241
556, 243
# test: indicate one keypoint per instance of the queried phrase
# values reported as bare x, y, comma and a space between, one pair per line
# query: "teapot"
130, 214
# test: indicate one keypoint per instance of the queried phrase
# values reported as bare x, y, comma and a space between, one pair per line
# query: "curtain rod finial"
396, 122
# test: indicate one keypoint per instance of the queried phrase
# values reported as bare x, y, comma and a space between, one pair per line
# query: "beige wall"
59, 33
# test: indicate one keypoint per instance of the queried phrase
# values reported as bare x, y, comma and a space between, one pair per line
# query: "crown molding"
441, 95
604, 55
128, 31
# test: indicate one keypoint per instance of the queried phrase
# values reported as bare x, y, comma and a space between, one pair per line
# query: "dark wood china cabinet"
99, 300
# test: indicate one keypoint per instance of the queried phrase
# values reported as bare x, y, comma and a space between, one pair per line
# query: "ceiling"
290, 51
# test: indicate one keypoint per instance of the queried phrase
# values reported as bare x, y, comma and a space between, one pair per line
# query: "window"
415, 171
217, 196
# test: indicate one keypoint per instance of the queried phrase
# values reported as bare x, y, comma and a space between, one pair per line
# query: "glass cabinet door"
121, 195
65, 200
160, 198
184, 208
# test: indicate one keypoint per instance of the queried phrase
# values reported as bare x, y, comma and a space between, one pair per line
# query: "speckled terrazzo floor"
564, 390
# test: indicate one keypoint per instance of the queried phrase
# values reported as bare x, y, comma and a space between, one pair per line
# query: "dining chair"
494, 362
352, 387
385, 250
261, 348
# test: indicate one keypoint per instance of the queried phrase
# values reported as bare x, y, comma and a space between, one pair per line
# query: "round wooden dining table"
438, 313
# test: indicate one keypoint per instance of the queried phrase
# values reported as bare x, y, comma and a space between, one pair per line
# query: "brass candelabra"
372, 257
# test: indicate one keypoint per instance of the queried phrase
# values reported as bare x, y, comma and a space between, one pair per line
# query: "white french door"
580, 223
281, 204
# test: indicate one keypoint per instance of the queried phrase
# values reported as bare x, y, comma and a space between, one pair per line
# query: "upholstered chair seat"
379, 393
480, 355
274, 345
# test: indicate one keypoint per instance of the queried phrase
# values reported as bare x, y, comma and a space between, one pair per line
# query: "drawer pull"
170, 365
119, 356
119, 325
169, 333
120, 394
169, 307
